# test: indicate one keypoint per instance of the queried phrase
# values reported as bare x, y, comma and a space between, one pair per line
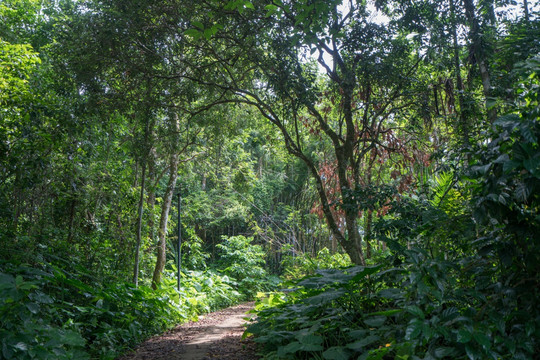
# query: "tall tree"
353, 110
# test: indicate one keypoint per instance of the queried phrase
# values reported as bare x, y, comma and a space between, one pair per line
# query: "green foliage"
420, 310
205, 291
299, 265
244, 262
47, 312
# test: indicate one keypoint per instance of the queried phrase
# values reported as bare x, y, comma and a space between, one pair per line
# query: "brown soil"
215, 336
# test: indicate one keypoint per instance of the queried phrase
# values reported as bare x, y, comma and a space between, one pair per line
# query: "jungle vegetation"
368, 170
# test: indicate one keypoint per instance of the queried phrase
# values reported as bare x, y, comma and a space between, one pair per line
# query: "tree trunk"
166, 206
162, 231
367, 235
463, 113
144, 159
526, 10
478, 54
139, 227
151, 197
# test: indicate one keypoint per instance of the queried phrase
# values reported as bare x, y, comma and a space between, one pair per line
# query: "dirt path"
215, 336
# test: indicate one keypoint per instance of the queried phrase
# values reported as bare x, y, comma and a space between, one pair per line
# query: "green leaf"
73, 338
208, 33
445, 351
464, 336
416, 311
325, 297
310, 339
482, 340
532, 164
21, 346
472, 352
32, 307
358, 345
290, 348
336, 353
196, 34
198, 24
491, 102
482, 170
413, 330
361, 272
375, 321
528, 133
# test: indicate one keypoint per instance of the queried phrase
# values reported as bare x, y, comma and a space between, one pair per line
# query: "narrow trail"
217, 335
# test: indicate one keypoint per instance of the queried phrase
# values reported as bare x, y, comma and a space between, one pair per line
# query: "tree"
368, 68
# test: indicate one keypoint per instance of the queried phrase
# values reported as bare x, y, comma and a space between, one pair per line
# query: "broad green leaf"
413, 330
336, 353
196, 34
21, 346
310, 339
290, 348
473, 353
32, 307
532, 164
360, 344
198, 24
464, 336
482, 340
73, 338
416, 311
325, 297
208, 33
368, 270
375, 321
442, 352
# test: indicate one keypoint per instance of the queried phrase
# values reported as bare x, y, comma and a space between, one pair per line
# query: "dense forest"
368, 170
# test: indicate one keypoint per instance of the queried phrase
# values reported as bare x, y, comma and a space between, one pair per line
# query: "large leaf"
336, 353
368, 270
375, 321
360, 344
325, 297
290, 348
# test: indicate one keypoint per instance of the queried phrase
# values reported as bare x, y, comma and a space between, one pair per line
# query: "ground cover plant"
48, 312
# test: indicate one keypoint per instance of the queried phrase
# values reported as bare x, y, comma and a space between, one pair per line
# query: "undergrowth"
48, 312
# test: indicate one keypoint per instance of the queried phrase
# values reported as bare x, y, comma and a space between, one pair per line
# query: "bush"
47, 312
243, 262
300, 265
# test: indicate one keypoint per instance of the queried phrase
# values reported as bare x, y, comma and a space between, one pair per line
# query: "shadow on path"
217, 335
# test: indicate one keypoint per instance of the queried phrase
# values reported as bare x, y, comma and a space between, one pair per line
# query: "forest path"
217, 335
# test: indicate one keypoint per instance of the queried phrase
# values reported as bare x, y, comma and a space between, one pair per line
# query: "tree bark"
463, 113
151, 200
141, 203
139, 226
478, 54
367, 235
165, 209
162, 231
